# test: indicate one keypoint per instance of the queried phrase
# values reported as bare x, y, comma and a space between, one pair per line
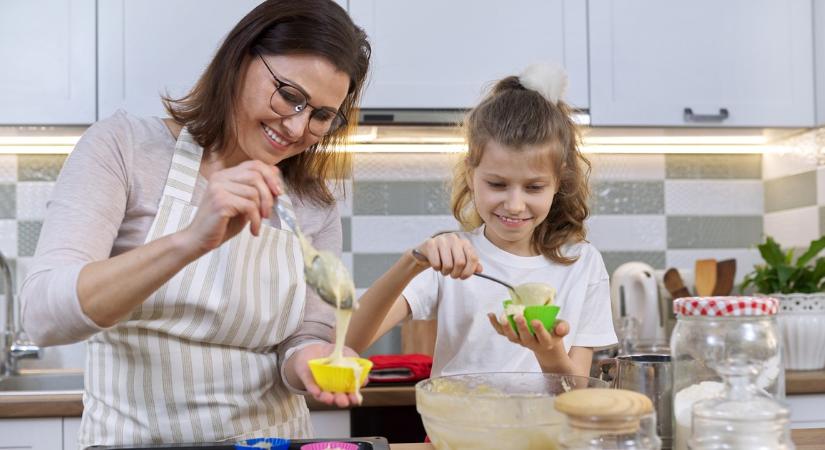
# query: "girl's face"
513, 190
267, 136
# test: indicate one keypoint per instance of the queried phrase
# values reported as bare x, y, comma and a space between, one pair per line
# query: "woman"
198, 329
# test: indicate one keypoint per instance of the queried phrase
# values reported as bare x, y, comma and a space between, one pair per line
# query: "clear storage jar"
607, 419
743, 418
711, 332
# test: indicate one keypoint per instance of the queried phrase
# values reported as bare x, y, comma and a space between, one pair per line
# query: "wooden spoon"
705, 274
674, 284
725, 276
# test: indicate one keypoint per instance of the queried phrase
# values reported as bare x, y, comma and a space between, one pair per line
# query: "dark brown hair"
517, 117
278, 27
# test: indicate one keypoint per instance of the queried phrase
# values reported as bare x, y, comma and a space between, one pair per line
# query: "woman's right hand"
234, 197
449, 254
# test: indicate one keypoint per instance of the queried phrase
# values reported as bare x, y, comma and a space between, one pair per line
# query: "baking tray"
364, 443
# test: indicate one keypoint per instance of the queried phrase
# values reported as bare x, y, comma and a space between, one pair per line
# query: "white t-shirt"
467, 343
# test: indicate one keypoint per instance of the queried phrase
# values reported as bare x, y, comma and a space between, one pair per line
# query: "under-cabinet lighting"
591, 149
35, 149
460, 148
39, 140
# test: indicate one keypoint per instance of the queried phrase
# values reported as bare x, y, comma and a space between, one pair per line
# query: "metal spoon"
523, 293
420, 256
323, 271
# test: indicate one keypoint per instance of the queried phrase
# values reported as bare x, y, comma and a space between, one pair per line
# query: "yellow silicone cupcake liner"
338, 378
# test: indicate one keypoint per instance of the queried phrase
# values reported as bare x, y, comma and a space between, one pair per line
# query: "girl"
521, 193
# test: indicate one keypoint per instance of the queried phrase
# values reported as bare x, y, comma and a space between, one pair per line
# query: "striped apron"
196, 361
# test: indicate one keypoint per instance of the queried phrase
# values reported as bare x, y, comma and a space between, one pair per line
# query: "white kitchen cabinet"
147, 48
31, 434
71, 429
443, 54
47, 49
701, 63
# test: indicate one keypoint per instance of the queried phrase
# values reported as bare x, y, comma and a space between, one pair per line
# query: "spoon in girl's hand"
529, 294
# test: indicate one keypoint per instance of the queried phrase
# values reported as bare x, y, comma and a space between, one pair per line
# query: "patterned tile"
27, 234
713, 232
627, 233
714, 166
627, 167
8, 201
8, 238
8, 168
794, 227
713, 197
39, 167
32, 198
793, 191
794, 155
822, 220
395, 234
628, 197
368, 267
820, 186
401, 197
404, 167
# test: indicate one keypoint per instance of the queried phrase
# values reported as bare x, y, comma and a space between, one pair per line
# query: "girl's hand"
547, 346
235, 196
449, 254
300, 360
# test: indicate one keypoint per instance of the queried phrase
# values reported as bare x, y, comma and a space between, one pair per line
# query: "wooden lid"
609, 409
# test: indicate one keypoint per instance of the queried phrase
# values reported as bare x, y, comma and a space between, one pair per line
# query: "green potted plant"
799, 285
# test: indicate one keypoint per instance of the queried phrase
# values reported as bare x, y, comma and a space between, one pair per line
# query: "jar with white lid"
607, 419
710, 333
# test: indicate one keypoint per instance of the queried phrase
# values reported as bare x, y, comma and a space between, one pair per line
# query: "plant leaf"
814, 249
771, 252
784, 273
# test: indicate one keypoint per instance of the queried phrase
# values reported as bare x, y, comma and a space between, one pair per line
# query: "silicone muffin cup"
338, 378
330, 444
545, 314
263, 443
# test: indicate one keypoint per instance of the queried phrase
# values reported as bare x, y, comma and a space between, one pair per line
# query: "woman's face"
267, 136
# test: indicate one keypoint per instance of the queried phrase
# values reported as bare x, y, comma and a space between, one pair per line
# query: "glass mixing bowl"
495, 410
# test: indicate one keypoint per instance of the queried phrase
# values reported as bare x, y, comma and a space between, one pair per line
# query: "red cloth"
400, 368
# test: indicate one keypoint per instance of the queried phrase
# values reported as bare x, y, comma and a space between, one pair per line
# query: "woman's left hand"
301, 366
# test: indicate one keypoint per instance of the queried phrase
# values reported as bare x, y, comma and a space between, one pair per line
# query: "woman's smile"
276, 140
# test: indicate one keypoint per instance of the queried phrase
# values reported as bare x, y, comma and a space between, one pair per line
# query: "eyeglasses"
288, 100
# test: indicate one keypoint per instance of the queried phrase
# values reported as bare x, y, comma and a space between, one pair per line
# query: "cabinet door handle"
691, 117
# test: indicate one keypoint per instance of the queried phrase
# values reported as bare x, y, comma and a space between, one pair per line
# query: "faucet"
16, 344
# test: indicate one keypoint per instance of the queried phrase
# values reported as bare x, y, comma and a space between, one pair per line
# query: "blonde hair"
516, 117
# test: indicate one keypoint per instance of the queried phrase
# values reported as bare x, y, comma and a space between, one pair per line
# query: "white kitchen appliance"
634, 291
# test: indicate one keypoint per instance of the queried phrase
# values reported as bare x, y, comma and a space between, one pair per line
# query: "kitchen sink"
42, 382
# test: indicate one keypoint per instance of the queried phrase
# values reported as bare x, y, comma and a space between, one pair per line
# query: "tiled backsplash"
795, 190
665, 210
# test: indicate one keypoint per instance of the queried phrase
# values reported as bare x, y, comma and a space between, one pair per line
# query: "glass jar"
712, 331
743, 417
607, 419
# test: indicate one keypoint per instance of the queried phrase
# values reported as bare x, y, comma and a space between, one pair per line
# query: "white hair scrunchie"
549, 80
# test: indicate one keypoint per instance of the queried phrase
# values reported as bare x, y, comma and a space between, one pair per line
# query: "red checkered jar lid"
725, 306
